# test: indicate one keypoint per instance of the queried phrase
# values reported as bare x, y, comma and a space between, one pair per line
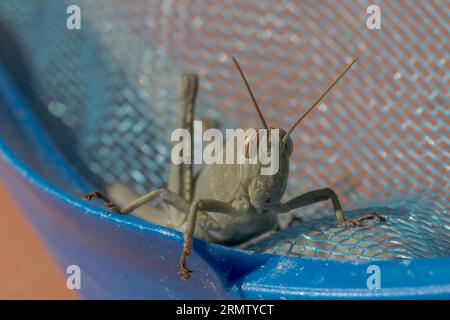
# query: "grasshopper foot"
108, 203
187, 252
359, 221
184, 271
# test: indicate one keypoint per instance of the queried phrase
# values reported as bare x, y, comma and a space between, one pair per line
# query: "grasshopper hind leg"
181, 179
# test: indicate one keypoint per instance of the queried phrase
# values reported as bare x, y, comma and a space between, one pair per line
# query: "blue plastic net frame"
388, 138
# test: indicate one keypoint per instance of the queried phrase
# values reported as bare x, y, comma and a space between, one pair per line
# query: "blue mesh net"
380, 139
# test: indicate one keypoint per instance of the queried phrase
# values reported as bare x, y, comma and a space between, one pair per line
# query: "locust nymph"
232, 203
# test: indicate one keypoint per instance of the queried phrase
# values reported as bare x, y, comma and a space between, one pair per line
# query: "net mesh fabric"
380, 139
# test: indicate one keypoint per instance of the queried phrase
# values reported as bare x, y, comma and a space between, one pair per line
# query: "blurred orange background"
27, 269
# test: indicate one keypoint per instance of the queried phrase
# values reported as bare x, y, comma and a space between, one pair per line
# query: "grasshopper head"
266, 190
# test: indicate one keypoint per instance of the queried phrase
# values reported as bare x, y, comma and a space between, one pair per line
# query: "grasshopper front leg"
180, 204
167, 196
199, 205
322, 195
106, 202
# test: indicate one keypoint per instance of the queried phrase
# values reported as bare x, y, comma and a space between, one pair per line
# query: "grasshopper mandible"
231, 203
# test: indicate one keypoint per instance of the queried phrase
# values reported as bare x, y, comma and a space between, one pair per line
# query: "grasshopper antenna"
318, 100
251, 93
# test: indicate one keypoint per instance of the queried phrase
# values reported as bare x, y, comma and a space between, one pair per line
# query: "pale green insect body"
253, 196
231, 203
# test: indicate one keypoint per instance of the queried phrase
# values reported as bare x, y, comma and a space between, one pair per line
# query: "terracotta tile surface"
27, 269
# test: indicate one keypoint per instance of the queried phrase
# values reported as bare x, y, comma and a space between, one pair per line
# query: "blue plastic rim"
123, 257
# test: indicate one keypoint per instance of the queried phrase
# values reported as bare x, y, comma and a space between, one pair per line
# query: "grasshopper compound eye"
287, 145
261, 138
253, 142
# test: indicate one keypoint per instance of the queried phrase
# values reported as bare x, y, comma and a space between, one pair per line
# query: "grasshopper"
231, 203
